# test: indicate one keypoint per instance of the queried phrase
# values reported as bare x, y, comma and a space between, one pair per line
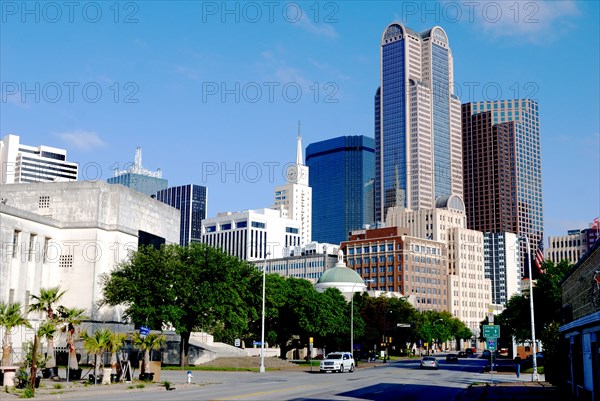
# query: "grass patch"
167, 384
314, 362
540, 370
58, 386
140, 385
27, 393
57, 392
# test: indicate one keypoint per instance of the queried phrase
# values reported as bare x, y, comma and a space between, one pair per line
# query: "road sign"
237, 342
144, 331
491, 331
491, 344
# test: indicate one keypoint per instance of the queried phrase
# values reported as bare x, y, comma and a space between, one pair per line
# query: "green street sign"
491, 344
491, 331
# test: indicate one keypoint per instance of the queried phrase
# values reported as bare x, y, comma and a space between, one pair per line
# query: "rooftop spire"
299, 148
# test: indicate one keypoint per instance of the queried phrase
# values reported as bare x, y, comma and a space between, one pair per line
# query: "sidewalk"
501, 391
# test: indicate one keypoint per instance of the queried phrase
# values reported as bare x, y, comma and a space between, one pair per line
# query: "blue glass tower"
191, 201
341, 178
418, 149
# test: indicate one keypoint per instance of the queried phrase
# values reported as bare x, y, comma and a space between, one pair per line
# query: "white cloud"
82, 140
321, 29
534, 21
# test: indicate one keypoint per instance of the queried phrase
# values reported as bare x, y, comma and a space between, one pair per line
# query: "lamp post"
262, 334
534, 373
352, 315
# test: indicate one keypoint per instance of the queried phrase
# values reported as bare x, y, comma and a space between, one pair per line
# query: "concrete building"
573, 246
502, 265
69, 233
398, 262
192, 201
23, 163
295, 197
342, 171
252, 234
418, 150
503, 169
580, 330
308, 261
469, 291
140, 179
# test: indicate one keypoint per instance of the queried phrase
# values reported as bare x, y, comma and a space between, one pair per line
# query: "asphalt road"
401, 380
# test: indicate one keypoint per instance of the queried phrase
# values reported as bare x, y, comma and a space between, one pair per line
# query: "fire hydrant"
189, 376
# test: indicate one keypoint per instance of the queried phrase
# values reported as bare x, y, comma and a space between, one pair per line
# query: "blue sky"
213, 91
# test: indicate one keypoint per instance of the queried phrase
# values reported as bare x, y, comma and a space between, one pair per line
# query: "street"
396, 380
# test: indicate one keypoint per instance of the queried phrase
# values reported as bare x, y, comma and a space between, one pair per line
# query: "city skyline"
188, 92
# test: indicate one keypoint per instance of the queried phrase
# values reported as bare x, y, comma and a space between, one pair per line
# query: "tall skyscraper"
191, 200
295, 197
503, 170
418, 150
22, 163
140, 179
342, 170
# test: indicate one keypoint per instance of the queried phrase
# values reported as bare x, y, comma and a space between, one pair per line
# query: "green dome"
340, 274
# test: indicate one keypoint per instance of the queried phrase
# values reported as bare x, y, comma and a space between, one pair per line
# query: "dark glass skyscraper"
503, 169
191, 200
341, 178
417, 122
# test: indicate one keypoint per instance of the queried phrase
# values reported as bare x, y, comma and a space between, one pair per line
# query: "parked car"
429, 362
462, 354
452, 358
486, 354
471, 350
337, 362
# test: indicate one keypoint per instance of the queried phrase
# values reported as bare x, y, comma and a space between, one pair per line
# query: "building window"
15, 243
241, 224
44, 202
31, 247
257, 224
46, 245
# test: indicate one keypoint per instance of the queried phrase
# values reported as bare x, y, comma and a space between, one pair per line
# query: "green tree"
147, 343
47, 331
10, 318
97, 344
71, 318
193, 288
46, 303
116, 343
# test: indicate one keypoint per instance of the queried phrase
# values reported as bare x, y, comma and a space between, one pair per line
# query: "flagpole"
534, 373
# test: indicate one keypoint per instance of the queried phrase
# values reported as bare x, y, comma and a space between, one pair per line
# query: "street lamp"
534, 373
262, 334
352, 315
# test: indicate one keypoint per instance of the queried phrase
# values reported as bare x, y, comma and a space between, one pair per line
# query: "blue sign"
419, 343
144, 331
256, 343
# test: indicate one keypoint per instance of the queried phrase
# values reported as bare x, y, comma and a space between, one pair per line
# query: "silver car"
429, 362
338, 362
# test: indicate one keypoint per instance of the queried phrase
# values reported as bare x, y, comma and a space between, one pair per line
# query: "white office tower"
22, 163
295, 197
469, 291
251, 234
502, 265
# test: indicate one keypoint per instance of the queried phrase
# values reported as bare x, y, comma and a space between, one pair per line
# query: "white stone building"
68, 233
308, 261
23, 163
502, 265
252, 234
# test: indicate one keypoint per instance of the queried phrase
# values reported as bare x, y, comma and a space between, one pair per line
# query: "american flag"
539, 256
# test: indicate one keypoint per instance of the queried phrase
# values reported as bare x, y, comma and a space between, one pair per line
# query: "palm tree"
10, 317
147, 343
71, 317
97, 344
46, 331
45, 302
116, 343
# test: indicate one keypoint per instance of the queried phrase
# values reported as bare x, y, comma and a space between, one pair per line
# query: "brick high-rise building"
503, 170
